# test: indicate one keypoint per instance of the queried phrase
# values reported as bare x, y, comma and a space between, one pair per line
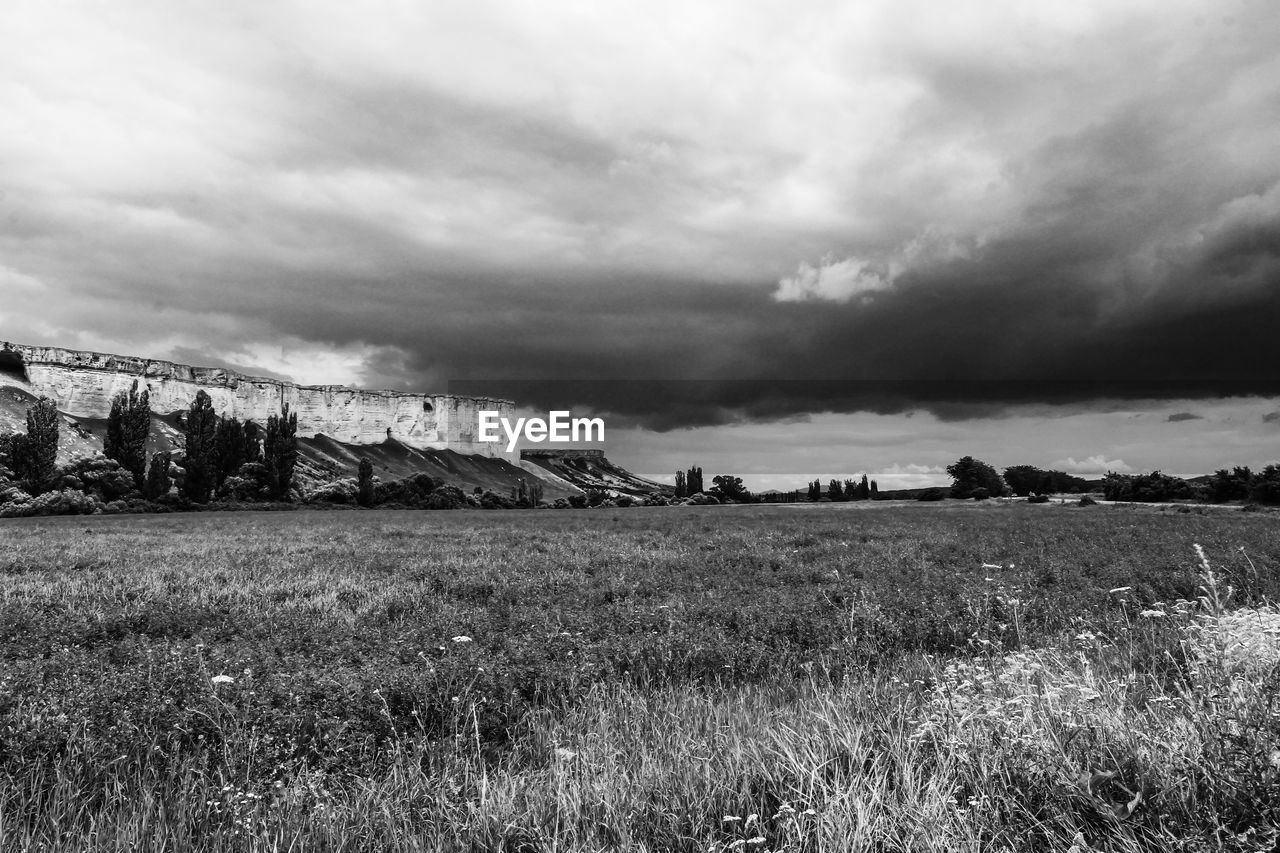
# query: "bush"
578, 501
344, 491
446, 497
63, 502
1038, 499
104, 479
412, 491
934, 494
493, 500
1087, 501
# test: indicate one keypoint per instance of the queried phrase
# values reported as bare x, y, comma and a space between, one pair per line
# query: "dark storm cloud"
1179, 417
677, 221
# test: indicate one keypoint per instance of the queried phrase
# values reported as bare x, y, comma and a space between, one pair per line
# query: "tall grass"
1128, 723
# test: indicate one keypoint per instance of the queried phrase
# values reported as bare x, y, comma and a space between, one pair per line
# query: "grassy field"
809, 678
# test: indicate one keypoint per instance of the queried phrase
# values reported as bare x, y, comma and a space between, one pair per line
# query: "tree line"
220, 455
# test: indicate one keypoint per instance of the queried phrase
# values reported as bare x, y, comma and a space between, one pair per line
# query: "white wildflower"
462, 638
223, 679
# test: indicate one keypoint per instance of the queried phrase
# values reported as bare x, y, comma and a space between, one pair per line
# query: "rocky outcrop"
588, 469
82, 384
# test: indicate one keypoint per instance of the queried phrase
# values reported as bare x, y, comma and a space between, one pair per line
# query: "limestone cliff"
82, 384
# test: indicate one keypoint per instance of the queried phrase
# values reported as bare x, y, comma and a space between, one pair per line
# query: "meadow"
876, 676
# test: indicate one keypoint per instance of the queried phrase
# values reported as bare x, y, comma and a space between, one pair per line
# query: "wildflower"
1152, 614
730, 818
223, 679
565, 754
462, 638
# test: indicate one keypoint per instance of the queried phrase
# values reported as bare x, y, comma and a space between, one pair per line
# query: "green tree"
364, 487
864, 489
229, 449
834, 491
682, 489
874, 491
1264, 487
199, 451
158, 481
35, 455
252, 442
1231, 485
280, 451
970, 475
128, 427
729, 487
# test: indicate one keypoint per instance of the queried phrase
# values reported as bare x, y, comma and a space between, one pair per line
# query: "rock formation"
82, 384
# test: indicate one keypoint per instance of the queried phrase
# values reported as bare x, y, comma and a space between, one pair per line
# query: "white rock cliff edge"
82, 384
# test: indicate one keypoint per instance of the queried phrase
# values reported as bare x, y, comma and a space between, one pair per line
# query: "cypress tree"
35, 455
128, 427
682, 490
199, 430
875, 491
280, 451
252, 442
229, 446
364, 490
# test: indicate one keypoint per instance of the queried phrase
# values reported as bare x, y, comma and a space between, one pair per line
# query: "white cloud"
831, 279
1095, 465
841, 280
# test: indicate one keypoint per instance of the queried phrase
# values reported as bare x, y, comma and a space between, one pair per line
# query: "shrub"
344, 491
101, 478
411, 491
1086, 501
62, 502
446, 497
493, 500
1038, 499
934, 494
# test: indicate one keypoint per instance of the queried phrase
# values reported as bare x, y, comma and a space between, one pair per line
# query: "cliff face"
82, 384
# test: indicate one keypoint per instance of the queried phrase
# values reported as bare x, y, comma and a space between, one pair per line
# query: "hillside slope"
323, 459
590, 469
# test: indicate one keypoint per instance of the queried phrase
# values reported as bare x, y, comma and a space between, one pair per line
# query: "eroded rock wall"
83, 384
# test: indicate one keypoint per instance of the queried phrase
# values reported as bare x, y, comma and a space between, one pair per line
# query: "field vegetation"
870, 676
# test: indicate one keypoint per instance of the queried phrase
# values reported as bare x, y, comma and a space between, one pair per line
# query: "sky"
780, 240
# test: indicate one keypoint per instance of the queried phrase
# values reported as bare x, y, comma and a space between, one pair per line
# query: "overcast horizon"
1043, 233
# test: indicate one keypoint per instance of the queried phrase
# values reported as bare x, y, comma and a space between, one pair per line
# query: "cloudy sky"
788, 240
